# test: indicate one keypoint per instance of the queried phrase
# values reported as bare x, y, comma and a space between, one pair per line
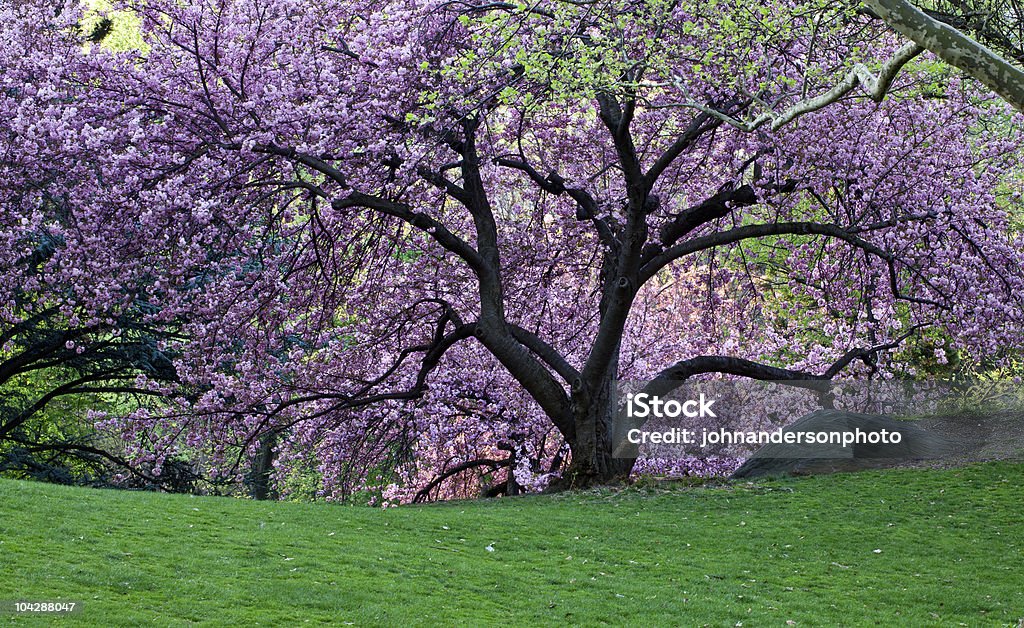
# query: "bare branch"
876, 87
424, 492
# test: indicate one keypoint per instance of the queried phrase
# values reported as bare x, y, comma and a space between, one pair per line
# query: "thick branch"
617, 120
673, 376
685, 369
309, 161
545, 352
954, 48
689, 219
748, 232
421, 221
493, 330
586, 206
698, 127
439, 181
519, 361
622, 263
983, 26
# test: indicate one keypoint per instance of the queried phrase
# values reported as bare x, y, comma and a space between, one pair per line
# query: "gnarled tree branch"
954, 48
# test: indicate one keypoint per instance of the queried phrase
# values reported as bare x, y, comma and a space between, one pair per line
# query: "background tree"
982, 38
59, 352
85, 321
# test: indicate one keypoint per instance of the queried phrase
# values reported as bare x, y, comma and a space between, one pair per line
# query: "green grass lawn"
903, 547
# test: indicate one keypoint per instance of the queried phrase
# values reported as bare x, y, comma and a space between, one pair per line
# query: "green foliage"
902, 547
123, 35
62, 421
302, 483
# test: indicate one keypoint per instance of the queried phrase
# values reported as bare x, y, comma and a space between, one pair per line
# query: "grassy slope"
952, 550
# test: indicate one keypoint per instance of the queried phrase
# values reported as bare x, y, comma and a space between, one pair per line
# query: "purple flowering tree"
413, 245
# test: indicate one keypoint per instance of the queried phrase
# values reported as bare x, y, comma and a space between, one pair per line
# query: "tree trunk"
262, 467
593, 462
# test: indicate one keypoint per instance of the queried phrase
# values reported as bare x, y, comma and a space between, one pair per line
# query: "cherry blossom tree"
415, 244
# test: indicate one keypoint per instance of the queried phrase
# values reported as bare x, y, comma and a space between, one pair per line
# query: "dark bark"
262, 466
593, 462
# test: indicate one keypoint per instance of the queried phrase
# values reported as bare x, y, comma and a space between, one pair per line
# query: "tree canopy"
406, 245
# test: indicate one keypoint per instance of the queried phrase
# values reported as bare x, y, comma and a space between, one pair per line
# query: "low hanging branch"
674, 376
424, 493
